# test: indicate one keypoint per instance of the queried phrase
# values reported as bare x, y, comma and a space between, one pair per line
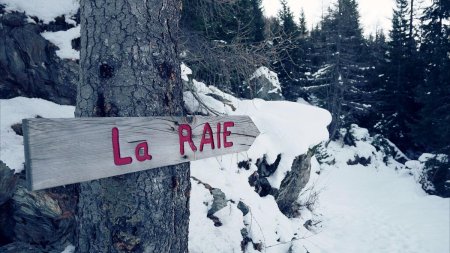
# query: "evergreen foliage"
433, 129
403, 73
338, 81
396, 85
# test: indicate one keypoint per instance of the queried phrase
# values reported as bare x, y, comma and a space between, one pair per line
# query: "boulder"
45, 218
29, 65
8, 182
219, 201
293, 183
264, 84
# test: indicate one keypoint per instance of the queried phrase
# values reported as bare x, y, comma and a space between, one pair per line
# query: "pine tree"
339, 77
241, 20
286, 17
403, 73
433, 129
258, 24
287, 66
302, 24
305, 53
376, 78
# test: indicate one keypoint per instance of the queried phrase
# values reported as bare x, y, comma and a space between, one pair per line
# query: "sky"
374, 13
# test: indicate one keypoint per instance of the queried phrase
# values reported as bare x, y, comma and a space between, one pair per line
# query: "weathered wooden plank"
66, 151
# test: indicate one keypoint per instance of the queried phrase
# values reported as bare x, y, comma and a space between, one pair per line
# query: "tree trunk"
129, 67
411, 21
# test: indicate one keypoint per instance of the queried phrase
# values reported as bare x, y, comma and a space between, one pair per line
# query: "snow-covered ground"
12, 111
374, 208
365, 209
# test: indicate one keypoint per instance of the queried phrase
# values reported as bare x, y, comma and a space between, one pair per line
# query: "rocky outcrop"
293, 183
7, 183
291, 186
28, 63
39, 221
26, 248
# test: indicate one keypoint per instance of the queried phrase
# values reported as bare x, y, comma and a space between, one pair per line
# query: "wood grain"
66, 151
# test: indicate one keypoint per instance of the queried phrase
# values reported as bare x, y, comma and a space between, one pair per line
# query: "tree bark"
129, 67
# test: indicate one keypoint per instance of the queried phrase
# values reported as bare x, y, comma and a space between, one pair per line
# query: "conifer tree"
302, 23
258, 24
287, 65
339, 80
433, 129
402, 76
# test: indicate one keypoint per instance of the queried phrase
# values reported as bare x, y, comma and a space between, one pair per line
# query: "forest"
395, 83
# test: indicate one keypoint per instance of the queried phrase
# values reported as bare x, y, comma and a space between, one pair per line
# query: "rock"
308, 224
6, 224
41, 217
21, 247
360, 160
8, 182
245, 164
293, 183
219, 201
216, 220
29, 65
261, 184
17, 128
259, 178
265, 169
264, 84
243, 207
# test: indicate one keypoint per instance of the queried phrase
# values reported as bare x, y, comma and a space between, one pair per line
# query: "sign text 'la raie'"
66, 151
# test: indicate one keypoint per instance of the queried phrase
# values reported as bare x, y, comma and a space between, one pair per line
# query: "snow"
377, 209
279, 122
12, 111
185, 71
287, 128
203, 234
45, 10
321, 71
63, 40
69, 249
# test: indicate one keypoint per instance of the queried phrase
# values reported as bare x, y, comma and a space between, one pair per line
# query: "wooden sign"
66, 151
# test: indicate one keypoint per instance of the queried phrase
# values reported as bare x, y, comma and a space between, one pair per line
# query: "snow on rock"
424, 171
203, 235
264, 84
45, 10
346, 206
287, 128
269, 75
12, 111
63, 40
